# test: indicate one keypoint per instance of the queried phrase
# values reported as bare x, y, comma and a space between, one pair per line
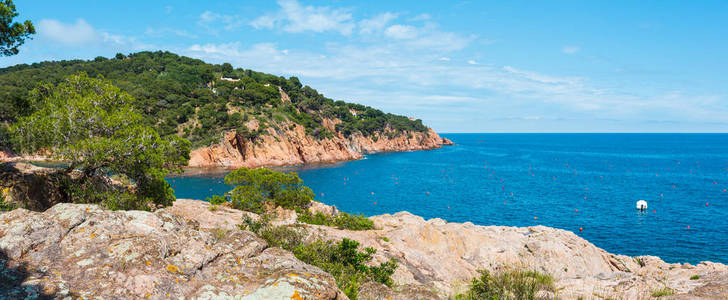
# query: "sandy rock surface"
83, 251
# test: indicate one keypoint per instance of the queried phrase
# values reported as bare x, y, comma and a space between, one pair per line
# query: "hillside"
227, 112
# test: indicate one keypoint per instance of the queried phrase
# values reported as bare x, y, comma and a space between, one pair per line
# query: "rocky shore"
293, 146
190, 251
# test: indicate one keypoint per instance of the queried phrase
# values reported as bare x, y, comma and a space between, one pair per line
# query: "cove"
567, 181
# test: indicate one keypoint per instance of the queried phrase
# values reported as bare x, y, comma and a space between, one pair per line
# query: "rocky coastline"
188, 250
293, 146
287, 148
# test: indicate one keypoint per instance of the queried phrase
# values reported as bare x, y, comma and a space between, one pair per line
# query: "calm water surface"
567, 181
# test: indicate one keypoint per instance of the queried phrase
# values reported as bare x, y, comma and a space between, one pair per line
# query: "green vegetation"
663, 292
95, 128
12, 35
349, 266
182, 96
4, 191
256, 188
342, 220
511, 284
695, 277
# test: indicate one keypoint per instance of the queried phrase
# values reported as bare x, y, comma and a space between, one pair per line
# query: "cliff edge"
292, 146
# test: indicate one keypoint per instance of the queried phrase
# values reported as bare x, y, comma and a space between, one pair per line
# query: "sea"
585, 183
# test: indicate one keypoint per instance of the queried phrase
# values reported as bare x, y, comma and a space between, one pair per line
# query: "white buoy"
642, 205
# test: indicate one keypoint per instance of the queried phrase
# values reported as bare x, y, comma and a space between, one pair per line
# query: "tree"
93, 125
256, 187
12, 35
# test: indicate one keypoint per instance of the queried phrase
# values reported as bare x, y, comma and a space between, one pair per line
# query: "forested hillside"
198, 101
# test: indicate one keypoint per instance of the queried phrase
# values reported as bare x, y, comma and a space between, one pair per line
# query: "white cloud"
82, 34
401, 32
472, 62
69, 34
444, 58
408, 79
377, 23
421, 17
570, 49
214, 22
159, 32
295, 18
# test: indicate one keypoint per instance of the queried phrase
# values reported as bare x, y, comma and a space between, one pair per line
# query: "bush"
342, 260
342, 220
695, 277
663, 292
348, 265
256, 187
513, 284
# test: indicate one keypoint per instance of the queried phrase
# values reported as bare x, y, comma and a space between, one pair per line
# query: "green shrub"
347, 264
695, 277
342, 260
512, 284
216, 200
342, 220
256, 187
663, 292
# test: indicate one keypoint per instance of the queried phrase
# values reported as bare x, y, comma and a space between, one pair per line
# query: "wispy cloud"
570, 49
159, 32
376, 23
401, 32
294, 17
421, 17
78, 33
215, 22
82, 34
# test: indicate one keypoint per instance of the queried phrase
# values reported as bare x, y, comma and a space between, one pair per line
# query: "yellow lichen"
92, 235
172, 268
296, 296
148, 263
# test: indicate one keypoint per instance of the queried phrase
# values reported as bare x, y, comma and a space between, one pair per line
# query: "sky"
460, 66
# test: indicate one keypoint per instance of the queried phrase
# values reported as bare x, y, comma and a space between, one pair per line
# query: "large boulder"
84, 251
435, 255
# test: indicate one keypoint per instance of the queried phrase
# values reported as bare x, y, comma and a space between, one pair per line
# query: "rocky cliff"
292, 146
189, 251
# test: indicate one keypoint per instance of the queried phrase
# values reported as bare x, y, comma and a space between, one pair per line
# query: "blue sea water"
567, 181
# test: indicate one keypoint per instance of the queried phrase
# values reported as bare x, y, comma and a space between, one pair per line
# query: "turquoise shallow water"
568, 181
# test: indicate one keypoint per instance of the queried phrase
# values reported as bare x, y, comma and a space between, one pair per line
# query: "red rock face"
292, 147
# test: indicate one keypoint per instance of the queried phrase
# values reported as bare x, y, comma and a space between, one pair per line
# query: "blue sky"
461, 66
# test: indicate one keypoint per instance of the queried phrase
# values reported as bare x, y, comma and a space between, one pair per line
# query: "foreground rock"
437, 259
190, 251
83, 251
435, 254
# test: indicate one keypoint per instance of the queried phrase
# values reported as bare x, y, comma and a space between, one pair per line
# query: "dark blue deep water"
568, 181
